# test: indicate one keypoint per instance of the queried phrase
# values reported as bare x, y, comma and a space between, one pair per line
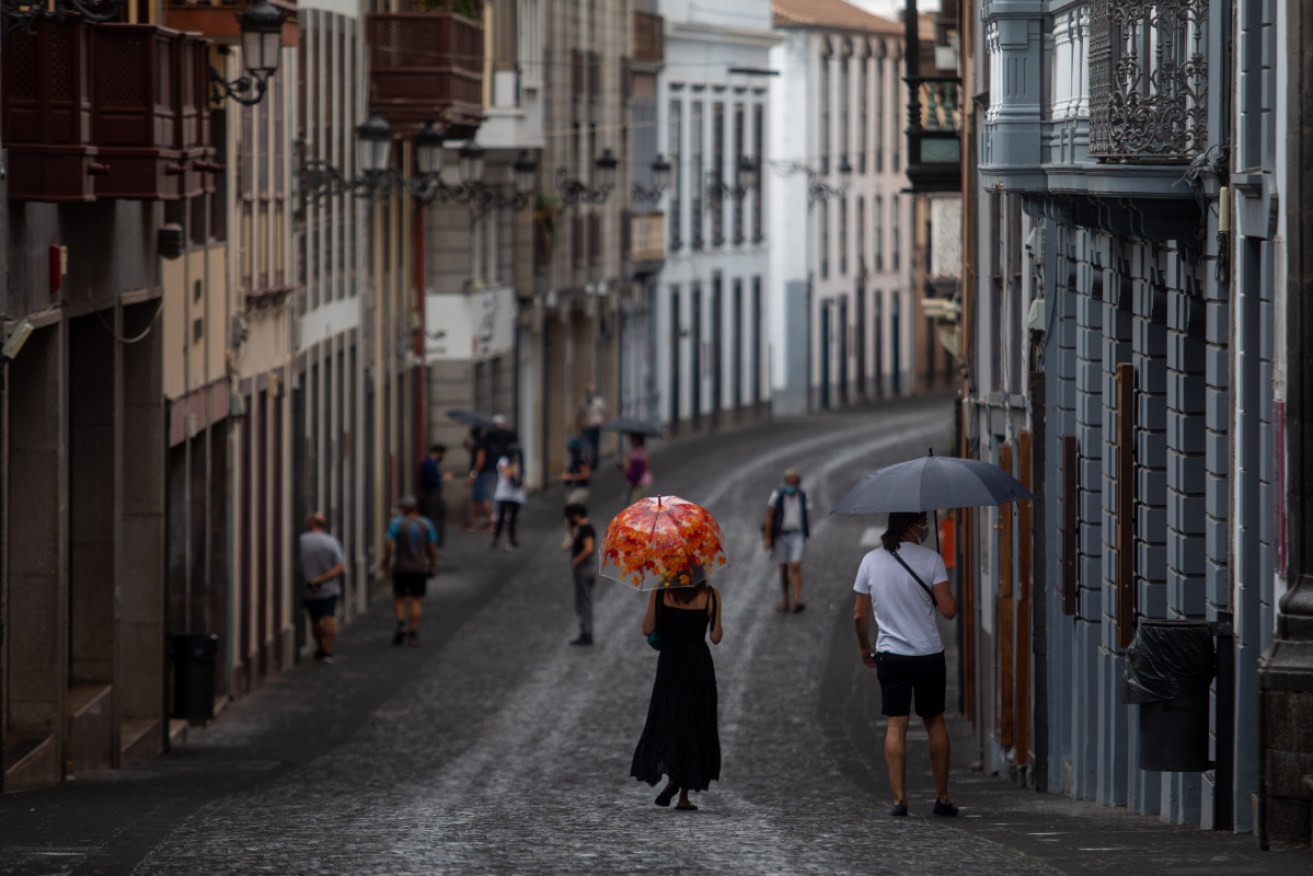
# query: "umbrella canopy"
633, 425
471, 418
662, 541
931, 483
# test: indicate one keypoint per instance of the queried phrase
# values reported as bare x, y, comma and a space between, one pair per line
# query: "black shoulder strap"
916, 578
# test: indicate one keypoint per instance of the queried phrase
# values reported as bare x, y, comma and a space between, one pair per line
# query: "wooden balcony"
649, 38
47, 112
647, 238
934, 135
426, 66
217, 19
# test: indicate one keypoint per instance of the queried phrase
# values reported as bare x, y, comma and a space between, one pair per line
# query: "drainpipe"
417, 340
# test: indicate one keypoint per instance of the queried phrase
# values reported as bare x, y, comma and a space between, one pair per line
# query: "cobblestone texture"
496, 748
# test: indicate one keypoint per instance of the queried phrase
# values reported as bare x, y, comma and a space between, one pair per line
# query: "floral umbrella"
662, 541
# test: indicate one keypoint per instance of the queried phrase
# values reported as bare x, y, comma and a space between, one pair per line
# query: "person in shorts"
410, 558
322, 568
785, 532
903, 584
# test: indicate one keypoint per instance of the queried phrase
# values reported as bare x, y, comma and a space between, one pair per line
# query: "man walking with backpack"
410, 558
785, 532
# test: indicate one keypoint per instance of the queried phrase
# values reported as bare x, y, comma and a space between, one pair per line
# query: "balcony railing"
1148, 80
647, 237
427, 66
934, 137
218, 18
138, 129
649, 38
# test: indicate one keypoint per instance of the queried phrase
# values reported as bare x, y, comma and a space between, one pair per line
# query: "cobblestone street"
496, 748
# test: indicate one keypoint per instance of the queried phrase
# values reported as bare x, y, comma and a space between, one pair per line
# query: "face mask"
790, 489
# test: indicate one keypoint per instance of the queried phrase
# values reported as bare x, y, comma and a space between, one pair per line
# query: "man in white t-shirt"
908, 656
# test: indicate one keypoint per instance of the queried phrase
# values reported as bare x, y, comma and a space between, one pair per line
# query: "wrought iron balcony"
427, 66
934, 135
1148, 80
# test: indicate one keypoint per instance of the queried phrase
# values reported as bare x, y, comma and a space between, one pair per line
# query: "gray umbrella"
473, 419
931, 483
632, 425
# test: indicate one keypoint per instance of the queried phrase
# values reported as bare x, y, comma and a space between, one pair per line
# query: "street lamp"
261, 25
821, 191
660, 181
374, 146
574, 191
745, 181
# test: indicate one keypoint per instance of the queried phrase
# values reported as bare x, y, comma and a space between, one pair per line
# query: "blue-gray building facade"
1126, 272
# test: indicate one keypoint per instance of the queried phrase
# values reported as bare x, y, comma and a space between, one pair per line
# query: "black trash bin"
194, 657
1169, 668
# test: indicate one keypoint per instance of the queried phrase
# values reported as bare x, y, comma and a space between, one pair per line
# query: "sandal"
686, 806
667, 794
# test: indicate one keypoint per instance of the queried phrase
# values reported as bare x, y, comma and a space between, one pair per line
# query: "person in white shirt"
784, 534
904, 583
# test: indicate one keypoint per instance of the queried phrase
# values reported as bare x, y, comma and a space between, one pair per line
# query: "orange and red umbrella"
662, 541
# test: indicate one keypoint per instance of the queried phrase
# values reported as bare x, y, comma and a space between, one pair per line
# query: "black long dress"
681, 738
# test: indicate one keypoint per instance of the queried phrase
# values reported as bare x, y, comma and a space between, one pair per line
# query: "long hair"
685, 595
899, 522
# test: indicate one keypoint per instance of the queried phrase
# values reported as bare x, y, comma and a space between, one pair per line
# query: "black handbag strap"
916, 578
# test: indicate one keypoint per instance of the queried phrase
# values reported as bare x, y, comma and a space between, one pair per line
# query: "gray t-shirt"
319, 553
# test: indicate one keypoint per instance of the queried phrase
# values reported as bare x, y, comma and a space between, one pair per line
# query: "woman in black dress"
681, 739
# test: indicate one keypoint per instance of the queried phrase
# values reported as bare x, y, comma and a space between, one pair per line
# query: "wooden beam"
1005, 609
1025, 546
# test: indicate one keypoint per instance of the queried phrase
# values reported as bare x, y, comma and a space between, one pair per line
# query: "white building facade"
840, 299
713, 110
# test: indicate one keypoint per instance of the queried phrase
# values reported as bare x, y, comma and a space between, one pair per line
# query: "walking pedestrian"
583, 566
322, 567
908, 656
638, 474
786, 530
681, 738
410, 558
483, 480
429, 483
576, 477
509, 495
592, 414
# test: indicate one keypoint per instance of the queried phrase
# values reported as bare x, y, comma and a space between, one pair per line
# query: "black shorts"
324, 606
901, 675
412, 584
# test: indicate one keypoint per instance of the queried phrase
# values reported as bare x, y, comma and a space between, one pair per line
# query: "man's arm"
862, 624
586, 552
339, 569
768, 526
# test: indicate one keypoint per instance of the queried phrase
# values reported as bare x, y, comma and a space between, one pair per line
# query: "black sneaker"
412, 639
319, 653
327, 658
948, 810
899, 809
582, 640
399, 636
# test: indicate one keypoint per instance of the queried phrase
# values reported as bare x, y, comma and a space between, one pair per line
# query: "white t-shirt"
792, 521
904, 612
506, 491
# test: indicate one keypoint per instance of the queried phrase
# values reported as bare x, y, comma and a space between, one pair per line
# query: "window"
863, 116
878, 109
758, 150
676, 133
845, 101
823, 232
717, 204
698, 172
896, 141
843, 236
860, 237
895, 243
877, 230
823, 102
738, 158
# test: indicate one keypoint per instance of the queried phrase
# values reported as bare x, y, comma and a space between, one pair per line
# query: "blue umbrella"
931, 483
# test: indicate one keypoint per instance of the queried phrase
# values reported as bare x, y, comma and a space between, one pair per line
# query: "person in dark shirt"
583, 563
429, 487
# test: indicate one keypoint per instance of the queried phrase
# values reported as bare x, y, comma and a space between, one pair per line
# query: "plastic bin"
1169, 668
194, 658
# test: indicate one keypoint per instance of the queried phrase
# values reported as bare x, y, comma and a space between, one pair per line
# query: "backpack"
412, 545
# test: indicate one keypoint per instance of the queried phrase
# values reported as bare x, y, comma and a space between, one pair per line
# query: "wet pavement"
495, 747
